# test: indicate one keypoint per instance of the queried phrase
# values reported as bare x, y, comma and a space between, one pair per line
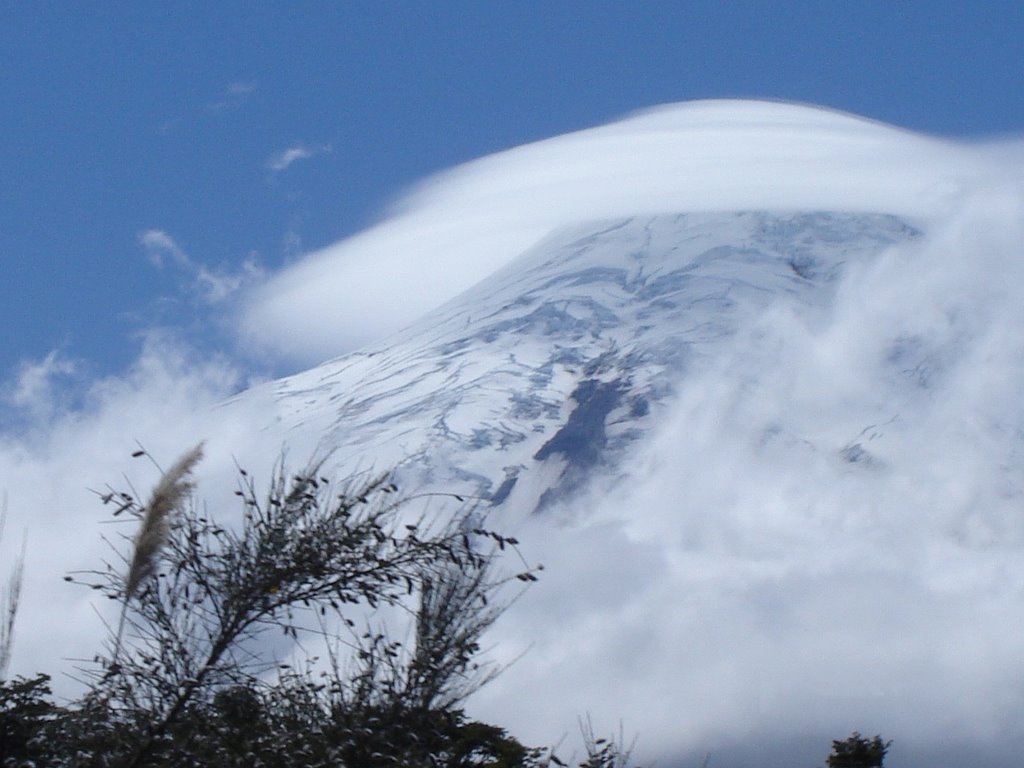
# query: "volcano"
555, 368
747, 375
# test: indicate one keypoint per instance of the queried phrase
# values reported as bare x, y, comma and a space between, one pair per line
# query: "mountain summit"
555, 366
459, 227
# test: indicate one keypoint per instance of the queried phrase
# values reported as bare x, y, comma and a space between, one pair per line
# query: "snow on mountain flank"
568, 355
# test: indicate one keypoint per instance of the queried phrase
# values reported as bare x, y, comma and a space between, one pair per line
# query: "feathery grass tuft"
172, 490
9, 598
168, 495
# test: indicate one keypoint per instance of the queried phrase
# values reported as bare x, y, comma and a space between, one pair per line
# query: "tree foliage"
858, 751
25, 711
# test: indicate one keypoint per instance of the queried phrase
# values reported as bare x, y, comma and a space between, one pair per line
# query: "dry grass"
9, 597
169, 494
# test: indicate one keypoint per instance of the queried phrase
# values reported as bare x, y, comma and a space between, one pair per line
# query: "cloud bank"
825, 534
752, 584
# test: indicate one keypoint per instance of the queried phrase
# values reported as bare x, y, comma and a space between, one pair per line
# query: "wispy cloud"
234, 96
211, 286
34, 389
285, 158
159, 246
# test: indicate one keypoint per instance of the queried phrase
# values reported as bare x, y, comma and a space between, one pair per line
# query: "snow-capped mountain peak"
554, 366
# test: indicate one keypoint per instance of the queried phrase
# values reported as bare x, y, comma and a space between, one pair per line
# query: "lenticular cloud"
462, 225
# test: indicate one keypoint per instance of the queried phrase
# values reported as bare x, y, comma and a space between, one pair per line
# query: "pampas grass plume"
169, 494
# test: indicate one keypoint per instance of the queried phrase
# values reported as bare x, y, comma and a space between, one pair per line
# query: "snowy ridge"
554, 365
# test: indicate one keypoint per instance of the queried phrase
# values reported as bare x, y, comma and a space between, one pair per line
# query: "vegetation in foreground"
192, 675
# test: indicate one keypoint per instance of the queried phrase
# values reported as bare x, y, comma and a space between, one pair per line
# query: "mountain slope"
554, 365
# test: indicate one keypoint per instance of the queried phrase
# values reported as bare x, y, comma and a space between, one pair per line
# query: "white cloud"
239, 88
285, 158
746, 586
234, 96
464, 224
34, 386
212, 286
159, 245
168, 400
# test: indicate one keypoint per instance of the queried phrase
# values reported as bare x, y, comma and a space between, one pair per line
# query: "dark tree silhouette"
857, 751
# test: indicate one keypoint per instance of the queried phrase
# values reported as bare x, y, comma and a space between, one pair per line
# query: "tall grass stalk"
9, 598
170, 493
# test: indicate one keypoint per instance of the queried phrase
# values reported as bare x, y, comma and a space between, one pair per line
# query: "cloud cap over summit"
464, 224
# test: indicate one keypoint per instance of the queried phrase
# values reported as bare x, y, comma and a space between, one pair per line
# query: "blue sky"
123, 119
